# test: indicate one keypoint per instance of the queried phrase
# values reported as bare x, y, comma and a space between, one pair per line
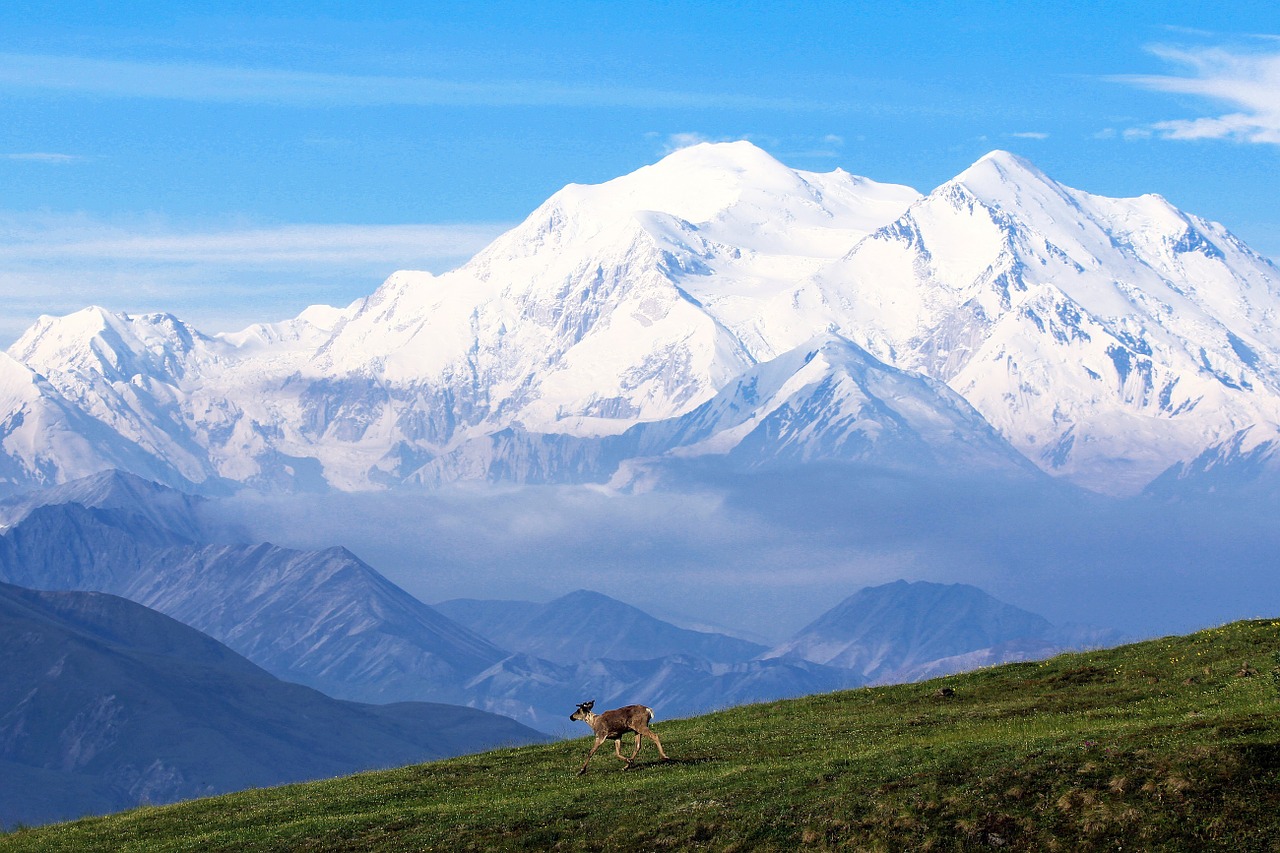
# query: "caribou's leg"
617, 749
639, 743
653, 736
599, 740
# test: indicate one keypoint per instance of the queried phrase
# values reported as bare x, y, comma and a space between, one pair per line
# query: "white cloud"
1030, 134
1239, 126
1247, 81
219, 278
787, 149
676, 141
44, 157
286, 245
190, 81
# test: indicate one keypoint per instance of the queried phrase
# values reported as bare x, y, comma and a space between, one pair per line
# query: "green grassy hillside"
1172, 744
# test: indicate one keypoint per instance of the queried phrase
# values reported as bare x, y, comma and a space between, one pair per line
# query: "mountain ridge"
322, 618
584, 625
902, 630
105, 704
1107, 340
326, 619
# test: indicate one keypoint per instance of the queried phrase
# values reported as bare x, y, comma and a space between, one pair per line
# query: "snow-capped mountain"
1105, 338
1247, 463
679, 310
826, 400
45, 438
831, 399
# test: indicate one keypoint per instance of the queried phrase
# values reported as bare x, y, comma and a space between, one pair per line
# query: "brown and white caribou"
612, 725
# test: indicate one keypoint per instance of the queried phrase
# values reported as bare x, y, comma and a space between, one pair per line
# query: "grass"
1172, 744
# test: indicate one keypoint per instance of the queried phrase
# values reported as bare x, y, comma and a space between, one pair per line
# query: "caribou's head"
584, 711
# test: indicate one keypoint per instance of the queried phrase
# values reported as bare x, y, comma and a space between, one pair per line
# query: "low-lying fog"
762, 555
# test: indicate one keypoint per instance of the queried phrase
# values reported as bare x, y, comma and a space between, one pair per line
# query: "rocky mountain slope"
1246, 464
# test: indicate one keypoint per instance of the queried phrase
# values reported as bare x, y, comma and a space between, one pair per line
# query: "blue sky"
234, 164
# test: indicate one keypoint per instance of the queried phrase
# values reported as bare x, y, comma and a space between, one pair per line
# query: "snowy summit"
716, 303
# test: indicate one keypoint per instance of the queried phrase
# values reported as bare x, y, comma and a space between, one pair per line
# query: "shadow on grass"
649, 765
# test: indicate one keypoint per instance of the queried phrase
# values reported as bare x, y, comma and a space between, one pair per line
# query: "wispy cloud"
44, 157
218, 279
287, 245
787, 149
1247, 81
675, 141
189, 81
1030, 134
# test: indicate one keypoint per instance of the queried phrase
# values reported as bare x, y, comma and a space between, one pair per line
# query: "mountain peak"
119, 491
740, 156
1008, 163
1005, 159
884, 631
694, 184
1000, 176
584, 625
582, 602
115, 344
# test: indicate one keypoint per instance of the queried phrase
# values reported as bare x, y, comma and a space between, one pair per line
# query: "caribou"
612, 725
